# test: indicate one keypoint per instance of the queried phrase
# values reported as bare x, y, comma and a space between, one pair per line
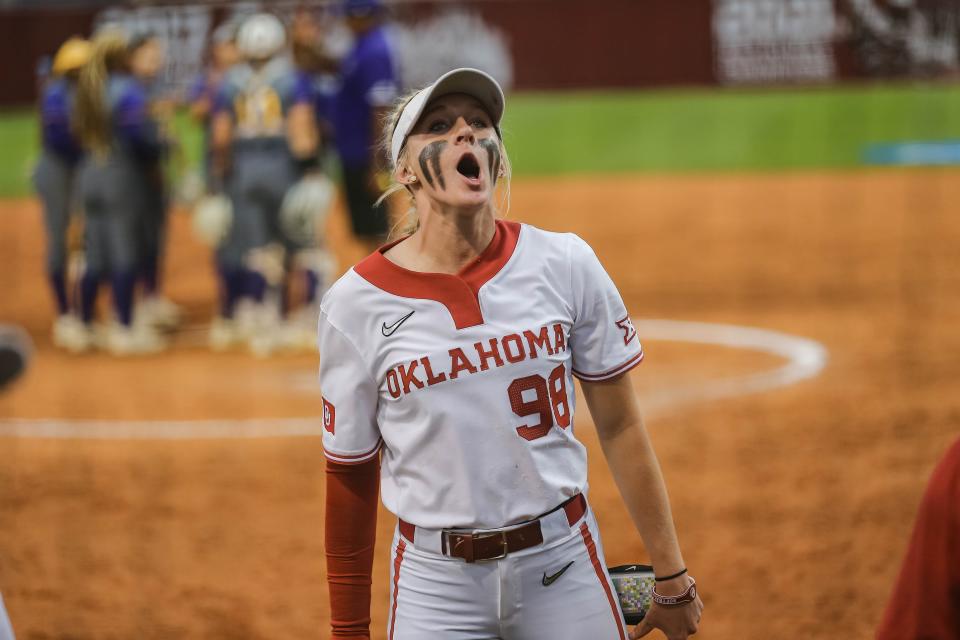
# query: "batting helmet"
261, 36
72, 55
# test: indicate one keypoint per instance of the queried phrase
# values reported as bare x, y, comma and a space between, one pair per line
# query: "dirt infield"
793, 505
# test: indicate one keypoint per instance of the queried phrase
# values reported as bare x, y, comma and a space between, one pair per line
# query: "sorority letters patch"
329, 416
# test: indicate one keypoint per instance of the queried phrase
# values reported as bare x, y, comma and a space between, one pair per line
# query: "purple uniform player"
367, 88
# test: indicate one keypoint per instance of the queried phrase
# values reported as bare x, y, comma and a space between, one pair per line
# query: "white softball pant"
435, 596
6, 629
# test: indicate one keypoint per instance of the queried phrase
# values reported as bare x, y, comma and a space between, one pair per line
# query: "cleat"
131, 341
159, 312
71, 334
266, 337
224, 334
245, 318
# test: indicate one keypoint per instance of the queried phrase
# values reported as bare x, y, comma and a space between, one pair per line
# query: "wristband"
671, 576
675, 601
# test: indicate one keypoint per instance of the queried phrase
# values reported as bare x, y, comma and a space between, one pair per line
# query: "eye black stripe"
431, 156
493, 153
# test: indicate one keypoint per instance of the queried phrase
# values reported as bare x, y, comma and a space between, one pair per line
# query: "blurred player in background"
368, 85
309, 40
264, 140
121, 138
205, 87
925, 602
311, 55
147, 59
54, 180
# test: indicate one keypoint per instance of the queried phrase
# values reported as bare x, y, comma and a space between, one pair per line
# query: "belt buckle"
468, 540
502, 534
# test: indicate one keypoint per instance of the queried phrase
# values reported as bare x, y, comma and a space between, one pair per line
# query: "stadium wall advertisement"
560, 44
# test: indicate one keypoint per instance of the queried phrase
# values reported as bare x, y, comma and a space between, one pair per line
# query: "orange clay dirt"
793, 504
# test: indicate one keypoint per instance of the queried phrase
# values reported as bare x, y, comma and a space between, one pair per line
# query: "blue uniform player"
264, 138
54, 179
147, 59
367, 88
203, 91
120, 139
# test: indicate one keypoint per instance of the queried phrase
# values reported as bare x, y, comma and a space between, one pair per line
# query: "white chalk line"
804, 358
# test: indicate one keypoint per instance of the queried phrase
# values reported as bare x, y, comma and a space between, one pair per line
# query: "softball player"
53, 178
206, 86
264, 138
447, 364
147, 55
367, 86
120, 138
925, 601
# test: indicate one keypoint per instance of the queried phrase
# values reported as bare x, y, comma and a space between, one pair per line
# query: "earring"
413, 179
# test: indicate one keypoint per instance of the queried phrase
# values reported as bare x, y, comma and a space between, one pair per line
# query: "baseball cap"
72, 55
473, 82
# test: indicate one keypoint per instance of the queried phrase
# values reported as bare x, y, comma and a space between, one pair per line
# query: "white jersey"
465, 381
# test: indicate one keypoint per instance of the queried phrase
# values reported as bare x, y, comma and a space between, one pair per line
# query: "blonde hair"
408, 223
91, 117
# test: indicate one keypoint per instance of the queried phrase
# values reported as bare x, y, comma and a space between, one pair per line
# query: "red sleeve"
351, 531
926, 597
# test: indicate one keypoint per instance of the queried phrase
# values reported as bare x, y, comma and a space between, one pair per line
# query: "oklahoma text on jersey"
509, 349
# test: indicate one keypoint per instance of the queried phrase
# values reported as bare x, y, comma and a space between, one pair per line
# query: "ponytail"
91, 117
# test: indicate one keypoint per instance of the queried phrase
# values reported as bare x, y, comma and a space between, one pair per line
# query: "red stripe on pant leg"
396, 583
602, 576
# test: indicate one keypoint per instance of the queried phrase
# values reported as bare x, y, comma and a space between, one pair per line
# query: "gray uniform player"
263, 137
53, 178
120, 138
147, 59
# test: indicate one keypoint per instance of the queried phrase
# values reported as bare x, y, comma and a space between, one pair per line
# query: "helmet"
72, 55
261, 36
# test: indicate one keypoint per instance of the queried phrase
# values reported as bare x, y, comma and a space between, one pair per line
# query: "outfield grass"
18, 151
730, 130
679, 130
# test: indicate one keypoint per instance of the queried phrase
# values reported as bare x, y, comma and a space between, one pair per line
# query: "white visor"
473, 82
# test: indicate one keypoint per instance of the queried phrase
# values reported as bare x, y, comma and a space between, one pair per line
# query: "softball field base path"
796, 421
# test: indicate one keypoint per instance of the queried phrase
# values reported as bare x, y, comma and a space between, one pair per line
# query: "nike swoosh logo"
549, 580
387, 330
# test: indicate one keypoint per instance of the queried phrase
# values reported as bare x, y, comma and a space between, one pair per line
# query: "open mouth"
469, 167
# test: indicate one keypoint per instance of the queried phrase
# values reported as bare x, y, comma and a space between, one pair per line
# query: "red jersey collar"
459, 292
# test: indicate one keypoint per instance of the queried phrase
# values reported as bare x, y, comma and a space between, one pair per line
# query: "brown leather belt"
497, 543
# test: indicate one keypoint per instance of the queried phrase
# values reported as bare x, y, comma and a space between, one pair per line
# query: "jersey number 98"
549, 402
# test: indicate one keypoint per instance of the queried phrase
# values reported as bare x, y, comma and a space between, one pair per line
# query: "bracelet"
675, 601
671, 577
